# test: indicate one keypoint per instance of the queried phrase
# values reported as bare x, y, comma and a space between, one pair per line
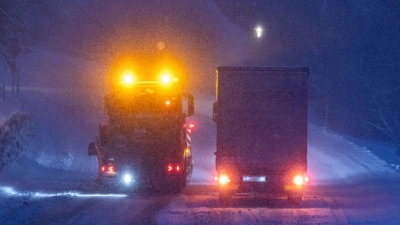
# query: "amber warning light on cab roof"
128, 78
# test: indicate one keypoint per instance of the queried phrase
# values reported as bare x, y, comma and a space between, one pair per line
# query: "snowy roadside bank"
9, 107
15, 131
15, 135
385, 151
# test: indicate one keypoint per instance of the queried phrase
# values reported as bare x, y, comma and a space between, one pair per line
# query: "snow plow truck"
261, 117
144, 143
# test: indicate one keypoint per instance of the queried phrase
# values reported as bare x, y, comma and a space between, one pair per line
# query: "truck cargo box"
261, 116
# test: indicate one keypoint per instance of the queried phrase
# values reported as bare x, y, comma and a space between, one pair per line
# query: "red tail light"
174, 168
300, 180
170, 168
224, 179
107, 169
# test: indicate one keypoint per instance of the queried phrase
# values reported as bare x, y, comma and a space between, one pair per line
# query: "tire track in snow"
62, 213
337, 212
148, 214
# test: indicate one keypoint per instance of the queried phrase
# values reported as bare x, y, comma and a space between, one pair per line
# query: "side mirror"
92, 149
190, 104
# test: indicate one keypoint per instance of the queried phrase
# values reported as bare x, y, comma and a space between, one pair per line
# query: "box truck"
261, 117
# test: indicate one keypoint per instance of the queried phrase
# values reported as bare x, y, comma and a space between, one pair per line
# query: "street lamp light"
259, 31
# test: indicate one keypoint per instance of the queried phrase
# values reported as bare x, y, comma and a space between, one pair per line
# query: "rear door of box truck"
262, 116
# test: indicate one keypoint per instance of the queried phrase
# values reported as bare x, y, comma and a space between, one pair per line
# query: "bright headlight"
127, 178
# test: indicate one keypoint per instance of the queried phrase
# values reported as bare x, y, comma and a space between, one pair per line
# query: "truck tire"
189, 172
169, 187
99, 174
225, 198
177, 189
184, 181
295, 199
101, 185
179, 186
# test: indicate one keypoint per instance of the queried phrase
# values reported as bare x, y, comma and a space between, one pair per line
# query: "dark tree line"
25, 23
13, 38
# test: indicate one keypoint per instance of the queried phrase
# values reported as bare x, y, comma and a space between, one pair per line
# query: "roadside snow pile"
9, 107
15, 136
384, 150
15, 132
342, 161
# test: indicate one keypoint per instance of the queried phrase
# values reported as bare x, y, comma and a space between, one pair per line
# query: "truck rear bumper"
140, 180
261, 183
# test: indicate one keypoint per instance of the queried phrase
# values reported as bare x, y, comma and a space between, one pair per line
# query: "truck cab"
144, 142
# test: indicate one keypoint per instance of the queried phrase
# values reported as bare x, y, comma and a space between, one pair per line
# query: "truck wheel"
184, 181
295, 199
99, 174
101, 185
106, 185
178, 187
189, 172
225, 198
171, 188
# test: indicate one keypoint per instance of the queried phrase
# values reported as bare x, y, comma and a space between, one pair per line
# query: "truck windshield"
144, 100
146, 104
